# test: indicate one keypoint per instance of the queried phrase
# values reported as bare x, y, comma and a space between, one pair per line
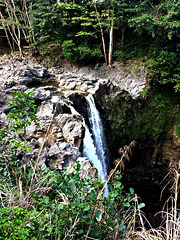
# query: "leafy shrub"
88, 55
18, 223
22, 112
69, 49
120, 55
21, 115
81, 54
78, 204
71, 206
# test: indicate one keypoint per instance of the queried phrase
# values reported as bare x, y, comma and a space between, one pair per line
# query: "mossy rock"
127, 119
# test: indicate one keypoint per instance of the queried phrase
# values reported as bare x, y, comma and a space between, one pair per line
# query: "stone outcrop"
119, 76
22, 71
3, 120
60, 134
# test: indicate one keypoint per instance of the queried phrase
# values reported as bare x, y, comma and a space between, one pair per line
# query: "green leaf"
93, 196
46, 200
98, 215
110, 187
86, 207
117, 184
61, 206
114, 194
77, 202
122, 228
86, 216
85, 188
45, 177
80, 231
141, 205
95, 232
126, 204
131, 190
90, 221
73, 205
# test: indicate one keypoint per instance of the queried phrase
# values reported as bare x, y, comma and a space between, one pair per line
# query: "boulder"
18, 88
3, 100
86, 168
72, 128
14, 72
62, 155
4, 121
40, 94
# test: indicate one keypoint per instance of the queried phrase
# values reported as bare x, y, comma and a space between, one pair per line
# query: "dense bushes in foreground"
61, 206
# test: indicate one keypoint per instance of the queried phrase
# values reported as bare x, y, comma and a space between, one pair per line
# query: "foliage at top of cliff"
88, 32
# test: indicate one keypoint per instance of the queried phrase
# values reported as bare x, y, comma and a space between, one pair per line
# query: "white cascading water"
94, 146
89, 151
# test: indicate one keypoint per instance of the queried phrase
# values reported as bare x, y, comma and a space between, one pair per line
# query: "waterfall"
89, 151
94, 145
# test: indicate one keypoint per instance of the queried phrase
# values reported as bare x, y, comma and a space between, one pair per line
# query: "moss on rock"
129, 119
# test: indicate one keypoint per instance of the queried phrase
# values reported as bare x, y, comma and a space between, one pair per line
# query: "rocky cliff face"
151, 122
128, 114
69, 85
58, 140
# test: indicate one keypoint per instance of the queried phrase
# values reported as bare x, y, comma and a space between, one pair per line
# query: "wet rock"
72, 128
4, 121
62, 155
40, 94
3, 100
18, 88
14, 72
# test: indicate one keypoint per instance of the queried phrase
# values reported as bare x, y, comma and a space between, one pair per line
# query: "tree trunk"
7, 36
20, 49
102, 34
104, 46
111, 35
122, 38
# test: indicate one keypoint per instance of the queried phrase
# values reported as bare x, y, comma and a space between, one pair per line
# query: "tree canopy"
88, 30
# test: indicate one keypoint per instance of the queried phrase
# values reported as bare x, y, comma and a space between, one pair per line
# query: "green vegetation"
45, 204
84, 32
67, 206
156, 112
157, 115
82, 53
177, 128
22, 112
54, 205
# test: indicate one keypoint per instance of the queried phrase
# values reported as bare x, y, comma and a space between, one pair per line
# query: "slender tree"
16, 22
